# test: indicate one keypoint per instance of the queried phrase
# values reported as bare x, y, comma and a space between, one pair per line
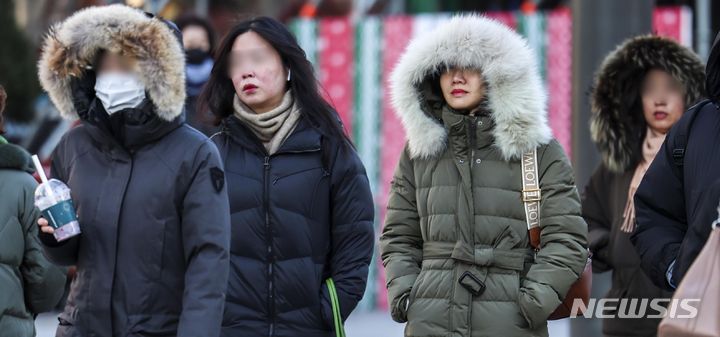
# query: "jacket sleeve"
43, 282
206, 240
401, 241
352, 232
596, 213
61, 253
563, 239
661, 220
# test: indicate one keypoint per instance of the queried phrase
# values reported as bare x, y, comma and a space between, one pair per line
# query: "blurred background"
354, 45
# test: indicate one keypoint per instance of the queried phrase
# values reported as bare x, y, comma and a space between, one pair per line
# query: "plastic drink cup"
53, 199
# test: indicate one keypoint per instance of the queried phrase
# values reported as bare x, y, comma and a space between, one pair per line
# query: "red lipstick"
458, 92
660, 115
249, 88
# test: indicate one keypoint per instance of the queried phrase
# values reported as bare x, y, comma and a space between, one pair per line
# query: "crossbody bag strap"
531, 196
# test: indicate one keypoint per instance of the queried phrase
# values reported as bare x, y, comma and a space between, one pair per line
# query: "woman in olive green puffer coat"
470, 98
29, 283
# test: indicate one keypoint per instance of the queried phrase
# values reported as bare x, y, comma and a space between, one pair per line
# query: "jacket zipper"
473, 145
269, 239
473, 137
269, 242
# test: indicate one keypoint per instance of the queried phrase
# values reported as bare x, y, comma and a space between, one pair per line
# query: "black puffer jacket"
153, 254
294, 224
675, 207
674, 214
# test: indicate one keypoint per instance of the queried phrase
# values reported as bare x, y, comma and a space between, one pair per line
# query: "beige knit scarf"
272, 127
651, 145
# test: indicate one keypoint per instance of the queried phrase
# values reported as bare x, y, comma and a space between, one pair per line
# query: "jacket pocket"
154, 243
66, 326
508, 238
413, 292
64, 320
405, 309
398, 309
520, 320
300, 171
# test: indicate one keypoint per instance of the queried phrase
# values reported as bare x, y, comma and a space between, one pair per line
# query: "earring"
289, 72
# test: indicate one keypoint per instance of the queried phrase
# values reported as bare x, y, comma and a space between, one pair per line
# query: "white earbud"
289, 72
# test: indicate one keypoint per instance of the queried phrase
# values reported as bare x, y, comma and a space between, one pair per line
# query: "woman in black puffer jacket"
300, 201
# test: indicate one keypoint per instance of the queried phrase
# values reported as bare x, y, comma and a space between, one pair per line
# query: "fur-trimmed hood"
72, 45
515, 94
617, 124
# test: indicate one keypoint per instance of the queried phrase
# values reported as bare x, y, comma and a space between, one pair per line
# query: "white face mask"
119, 91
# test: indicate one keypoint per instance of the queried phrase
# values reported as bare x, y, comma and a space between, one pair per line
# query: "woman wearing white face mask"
152, 258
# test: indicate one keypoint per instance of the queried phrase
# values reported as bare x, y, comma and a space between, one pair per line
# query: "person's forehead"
114, 61
113, 57
194, 31
454, 70
250, 40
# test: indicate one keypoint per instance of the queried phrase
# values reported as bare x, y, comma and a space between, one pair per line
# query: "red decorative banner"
559, 76
508, 18
674, 22
336, 52
396, 35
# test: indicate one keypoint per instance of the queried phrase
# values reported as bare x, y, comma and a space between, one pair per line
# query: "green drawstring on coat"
337, 318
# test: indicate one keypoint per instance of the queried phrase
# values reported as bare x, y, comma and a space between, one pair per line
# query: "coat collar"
129, 128
516, 96
466, 131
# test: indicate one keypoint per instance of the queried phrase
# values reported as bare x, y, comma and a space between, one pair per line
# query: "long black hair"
218, 93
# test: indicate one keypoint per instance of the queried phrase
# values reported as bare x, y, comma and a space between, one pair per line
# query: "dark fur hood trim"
617, 124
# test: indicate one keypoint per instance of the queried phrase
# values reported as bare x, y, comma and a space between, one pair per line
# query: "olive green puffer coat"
29, 283
455, 203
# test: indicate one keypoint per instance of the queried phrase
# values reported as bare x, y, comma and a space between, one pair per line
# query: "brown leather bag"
700, 282
531, 198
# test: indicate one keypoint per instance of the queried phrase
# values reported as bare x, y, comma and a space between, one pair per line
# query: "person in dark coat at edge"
199, 43
152, 259
677, 200
641, 90
29, 283
300, 200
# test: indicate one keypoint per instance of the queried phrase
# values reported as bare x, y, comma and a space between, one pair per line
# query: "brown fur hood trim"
72, 45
